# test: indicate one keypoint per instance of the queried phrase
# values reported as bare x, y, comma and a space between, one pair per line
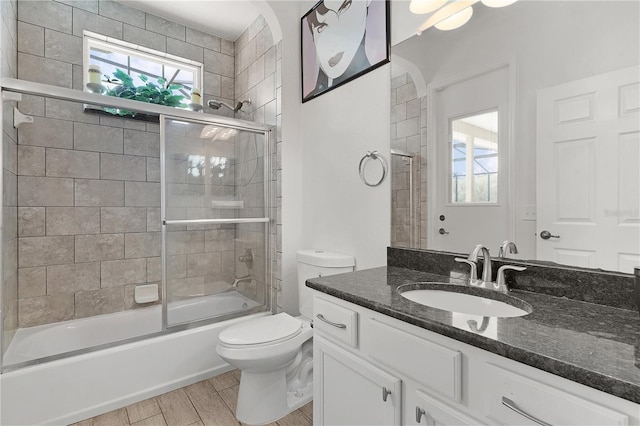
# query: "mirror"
556, 57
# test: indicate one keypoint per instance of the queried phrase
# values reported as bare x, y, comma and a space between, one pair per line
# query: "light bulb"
497, 3
420, 7
456, 20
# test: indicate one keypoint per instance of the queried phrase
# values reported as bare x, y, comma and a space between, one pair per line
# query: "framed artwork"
342, 40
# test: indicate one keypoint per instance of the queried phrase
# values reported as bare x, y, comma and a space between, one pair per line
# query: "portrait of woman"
341, 40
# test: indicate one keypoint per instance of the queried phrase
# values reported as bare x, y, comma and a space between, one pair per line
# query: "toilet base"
263, 397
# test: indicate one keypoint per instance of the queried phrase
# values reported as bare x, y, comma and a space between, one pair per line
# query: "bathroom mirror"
548, 69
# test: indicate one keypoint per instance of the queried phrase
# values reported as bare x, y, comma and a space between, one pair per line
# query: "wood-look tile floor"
209, 402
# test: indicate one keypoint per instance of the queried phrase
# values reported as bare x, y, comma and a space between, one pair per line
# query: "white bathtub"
57, 338
82, 386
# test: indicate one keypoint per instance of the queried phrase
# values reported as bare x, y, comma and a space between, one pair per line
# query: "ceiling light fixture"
453, 14
420, 7
456, 20
497, 3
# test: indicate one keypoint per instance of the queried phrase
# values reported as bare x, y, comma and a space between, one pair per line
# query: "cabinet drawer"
540, 401
336, 321
430, 364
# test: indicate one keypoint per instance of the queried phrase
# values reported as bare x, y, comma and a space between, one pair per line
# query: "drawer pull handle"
385, 393
335, 324
513, 406
419, 413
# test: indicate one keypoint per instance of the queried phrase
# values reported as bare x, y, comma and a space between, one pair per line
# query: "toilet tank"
318, 263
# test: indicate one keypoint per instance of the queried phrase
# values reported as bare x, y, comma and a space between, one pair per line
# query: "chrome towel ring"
375, 155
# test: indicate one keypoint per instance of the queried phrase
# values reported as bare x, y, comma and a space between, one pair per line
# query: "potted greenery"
154, 93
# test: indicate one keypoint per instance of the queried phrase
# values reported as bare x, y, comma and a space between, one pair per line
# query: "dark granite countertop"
592, 344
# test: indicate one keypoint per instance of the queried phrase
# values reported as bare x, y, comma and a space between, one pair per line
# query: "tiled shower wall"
88, 211
9, 59
408, 133
258, 77
89, 191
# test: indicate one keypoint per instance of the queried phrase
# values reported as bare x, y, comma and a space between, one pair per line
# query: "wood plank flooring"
209, 402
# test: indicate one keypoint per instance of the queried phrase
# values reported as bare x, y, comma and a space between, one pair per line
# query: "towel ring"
363, 163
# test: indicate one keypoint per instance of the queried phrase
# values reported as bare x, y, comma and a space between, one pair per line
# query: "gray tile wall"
50, 43
258, 77
88, 186
84, 238
9, 283
408, 133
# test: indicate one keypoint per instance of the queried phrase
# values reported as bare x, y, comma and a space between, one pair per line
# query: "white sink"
463, 303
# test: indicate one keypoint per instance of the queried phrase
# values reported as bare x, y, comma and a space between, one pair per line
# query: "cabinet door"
350, 391
431, 412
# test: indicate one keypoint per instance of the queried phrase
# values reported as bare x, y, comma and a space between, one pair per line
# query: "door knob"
545, 235
442, 231
419, 413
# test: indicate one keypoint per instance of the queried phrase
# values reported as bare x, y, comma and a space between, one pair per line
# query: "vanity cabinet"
351, 391
431, 412
360, 355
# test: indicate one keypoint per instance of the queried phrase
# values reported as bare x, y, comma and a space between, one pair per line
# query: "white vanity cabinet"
351, 391
429, 411
361, 355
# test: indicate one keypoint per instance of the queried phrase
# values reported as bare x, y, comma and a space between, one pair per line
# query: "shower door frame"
241, 126
22, 87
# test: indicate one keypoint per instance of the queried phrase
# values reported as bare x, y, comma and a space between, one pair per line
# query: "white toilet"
275, 352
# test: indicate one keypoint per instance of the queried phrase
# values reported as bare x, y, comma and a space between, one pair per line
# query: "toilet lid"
261, 330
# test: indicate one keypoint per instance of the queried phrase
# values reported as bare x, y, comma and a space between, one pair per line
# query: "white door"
470, 173
350, 391
588, 168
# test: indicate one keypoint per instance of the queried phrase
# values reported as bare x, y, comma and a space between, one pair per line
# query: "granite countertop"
595, 345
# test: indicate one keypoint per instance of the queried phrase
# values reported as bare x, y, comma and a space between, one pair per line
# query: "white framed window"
143, 66
474, 158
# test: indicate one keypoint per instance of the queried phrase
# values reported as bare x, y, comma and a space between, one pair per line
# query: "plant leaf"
126, 79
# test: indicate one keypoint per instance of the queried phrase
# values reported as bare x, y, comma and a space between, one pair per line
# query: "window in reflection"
218, 166
195, 165
474, 154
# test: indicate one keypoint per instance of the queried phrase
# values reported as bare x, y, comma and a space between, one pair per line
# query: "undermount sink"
465, 300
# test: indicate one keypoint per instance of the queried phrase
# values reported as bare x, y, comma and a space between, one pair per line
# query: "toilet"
275, 353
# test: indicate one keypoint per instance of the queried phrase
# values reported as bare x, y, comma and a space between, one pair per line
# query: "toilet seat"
261, 331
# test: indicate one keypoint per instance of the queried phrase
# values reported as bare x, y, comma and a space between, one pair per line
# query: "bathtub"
74, 388
57, 338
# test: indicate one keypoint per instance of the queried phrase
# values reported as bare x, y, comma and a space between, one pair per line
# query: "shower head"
214, 104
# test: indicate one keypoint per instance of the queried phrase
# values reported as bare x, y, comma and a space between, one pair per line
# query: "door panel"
589, 138
458, 223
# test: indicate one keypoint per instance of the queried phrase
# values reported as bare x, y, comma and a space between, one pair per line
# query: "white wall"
550, 43
339, 211
325, 205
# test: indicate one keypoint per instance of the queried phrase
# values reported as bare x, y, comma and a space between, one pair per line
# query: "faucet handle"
500, 283
473, 274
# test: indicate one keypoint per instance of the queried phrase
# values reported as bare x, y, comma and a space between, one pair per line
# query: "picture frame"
338, 46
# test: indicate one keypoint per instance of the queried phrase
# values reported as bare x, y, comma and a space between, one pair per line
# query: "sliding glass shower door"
215, 220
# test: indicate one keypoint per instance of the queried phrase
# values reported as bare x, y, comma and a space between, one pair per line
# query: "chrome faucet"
507, 246
472, 261
486, 269
241, 279
501, 283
